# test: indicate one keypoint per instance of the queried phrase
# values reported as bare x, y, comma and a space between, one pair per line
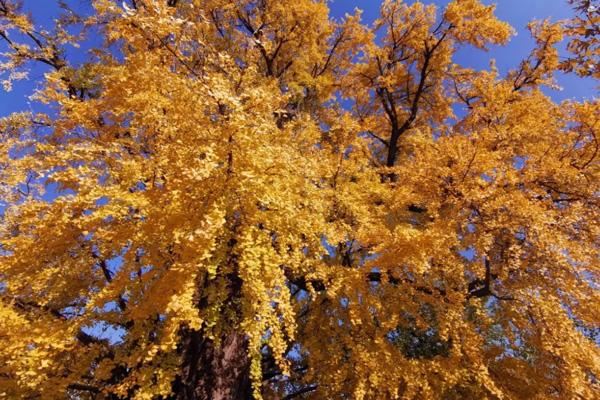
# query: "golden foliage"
375, 220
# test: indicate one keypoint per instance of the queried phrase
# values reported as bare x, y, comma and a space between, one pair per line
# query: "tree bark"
211, 372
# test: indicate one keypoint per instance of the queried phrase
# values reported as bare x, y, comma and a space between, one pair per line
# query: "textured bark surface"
214, 373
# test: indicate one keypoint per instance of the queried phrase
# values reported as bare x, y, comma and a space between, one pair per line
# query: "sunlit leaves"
361, 215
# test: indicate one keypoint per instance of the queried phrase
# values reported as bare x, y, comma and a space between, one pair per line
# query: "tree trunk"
214, 373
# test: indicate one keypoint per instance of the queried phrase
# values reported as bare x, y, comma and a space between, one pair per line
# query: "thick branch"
307, 389
478, 288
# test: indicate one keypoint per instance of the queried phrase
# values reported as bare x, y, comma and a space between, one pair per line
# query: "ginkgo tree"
232, 199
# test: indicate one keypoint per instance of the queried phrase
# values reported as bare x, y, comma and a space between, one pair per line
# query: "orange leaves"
201, 180
584, 43
543, 61
476, 24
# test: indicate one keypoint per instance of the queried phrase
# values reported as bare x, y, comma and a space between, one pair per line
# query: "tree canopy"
231, 199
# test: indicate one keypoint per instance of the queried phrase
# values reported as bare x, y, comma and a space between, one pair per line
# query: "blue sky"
517, 12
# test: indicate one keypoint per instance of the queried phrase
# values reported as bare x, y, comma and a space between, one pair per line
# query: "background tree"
236, 199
